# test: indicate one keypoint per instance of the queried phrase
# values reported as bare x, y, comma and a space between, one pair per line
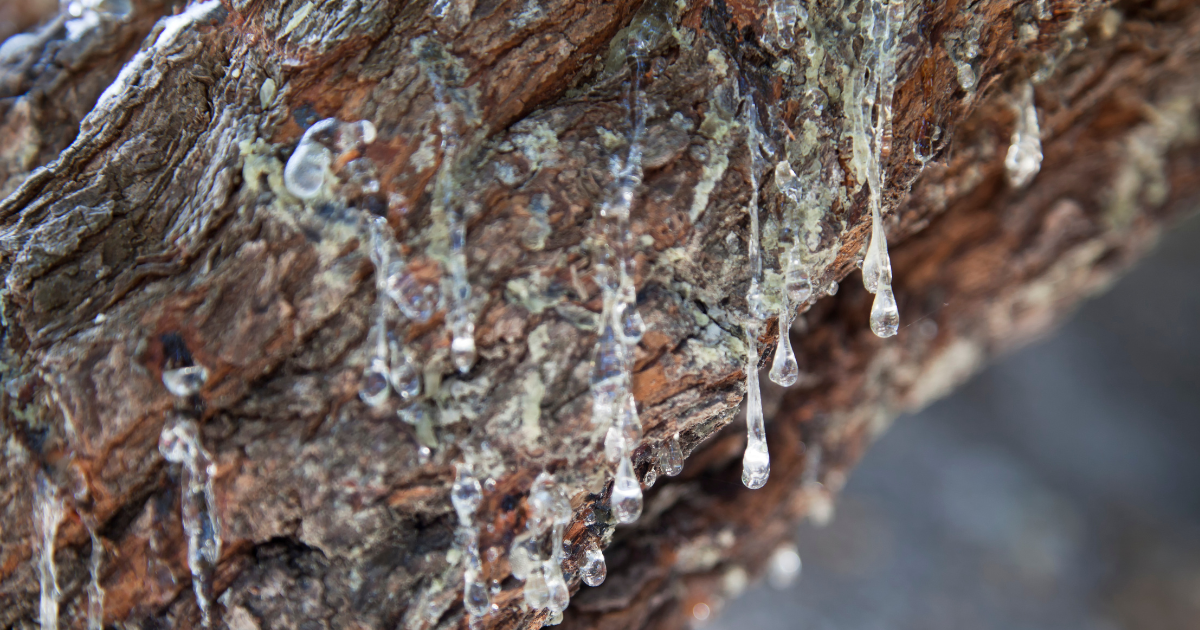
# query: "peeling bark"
144, 204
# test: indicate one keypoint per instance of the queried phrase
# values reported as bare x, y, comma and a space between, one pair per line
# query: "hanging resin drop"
626, 493
559, 596
537, 592
523, 558
374, 387
885, 317
670, 456
309, 165
608, 379
625, 433
797, 283
593, 570
403, 375
476, 598
756, 463
180, 444
785, 371
466, 494
877, 266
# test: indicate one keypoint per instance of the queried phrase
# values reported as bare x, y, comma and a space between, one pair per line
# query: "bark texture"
141, 166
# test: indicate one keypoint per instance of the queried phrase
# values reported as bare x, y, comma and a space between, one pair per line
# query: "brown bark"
160, 213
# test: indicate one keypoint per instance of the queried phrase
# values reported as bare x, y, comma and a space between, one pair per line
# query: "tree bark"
142, 161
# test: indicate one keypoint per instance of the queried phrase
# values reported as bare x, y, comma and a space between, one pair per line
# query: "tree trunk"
145, 224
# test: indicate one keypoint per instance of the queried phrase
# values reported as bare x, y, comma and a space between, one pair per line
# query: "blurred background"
1060, 488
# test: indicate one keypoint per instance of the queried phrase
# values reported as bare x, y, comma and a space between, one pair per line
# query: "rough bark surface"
154, 208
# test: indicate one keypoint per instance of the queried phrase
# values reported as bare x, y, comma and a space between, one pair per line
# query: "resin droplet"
593, 570
784, 369
546, 504
537, 593
625, 433
403, 376
556, 586
476, 598
179, 443
608, 380
626, 493
756, 463
670, 457
522, 558
797, 283
186, 381
467, 493
1024, 158
308, 167
757, 303
885, 317
47, 514
417, 300
877, 265
374, 388
784, 14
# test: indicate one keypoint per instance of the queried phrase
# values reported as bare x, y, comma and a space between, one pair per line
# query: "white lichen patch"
609, 139
538, 142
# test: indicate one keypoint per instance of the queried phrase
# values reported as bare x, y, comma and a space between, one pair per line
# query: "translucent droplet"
783, 567
467, 493
796, 281
404, 377
556, 586
625, 433
462, 350
626, 493
546, 504
374, 387
650, 477
179, 443
756, 302
877, 266
476, 598
522, 558
966, 75
756, 463
355, 135
555, 618
306, 169
537, 593
186, 381
608, 382
815, 101
417, 300
885, 316
118, 9
593, 570
670, 456
633, 327
832, 289
784, 369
